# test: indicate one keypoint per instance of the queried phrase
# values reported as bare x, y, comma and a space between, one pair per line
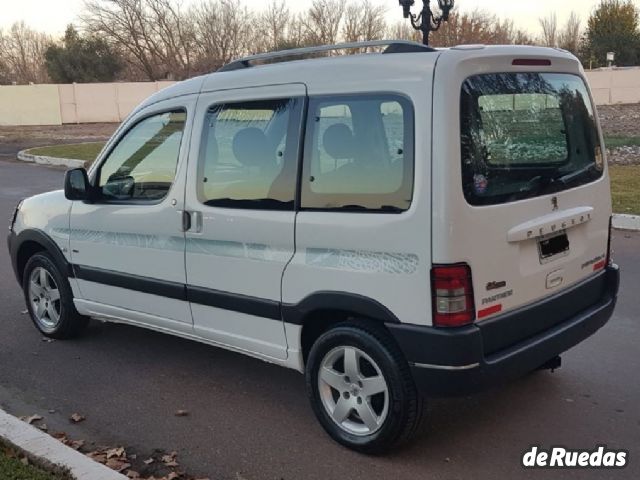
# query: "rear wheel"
361, 388
50, 300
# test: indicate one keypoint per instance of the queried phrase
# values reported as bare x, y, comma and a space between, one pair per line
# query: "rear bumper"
458, 361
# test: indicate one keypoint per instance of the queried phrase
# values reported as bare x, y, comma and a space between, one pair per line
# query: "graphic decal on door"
362, 260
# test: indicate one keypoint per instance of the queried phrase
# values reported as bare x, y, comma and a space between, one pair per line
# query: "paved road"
251, 420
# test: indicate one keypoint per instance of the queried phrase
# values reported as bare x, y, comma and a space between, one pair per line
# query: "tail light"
452, 295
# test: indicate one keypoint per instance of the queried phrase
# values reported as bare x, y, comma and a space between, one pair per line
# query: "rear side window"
248, 155
359, 154
526, 134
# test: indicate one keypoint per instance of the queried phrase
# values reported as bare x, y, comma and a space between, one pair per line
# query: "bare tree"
403, 30
549, 25
22, 55
273, 24
223, 32
477, 26
569, 37
153, 35
363, 22
322, 22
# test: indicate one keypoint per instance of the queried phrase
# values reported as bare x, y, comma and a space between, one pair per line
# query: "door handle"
186, 221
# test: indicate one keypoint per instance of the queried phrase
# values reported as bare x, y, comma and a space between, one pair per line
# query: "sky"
52, 16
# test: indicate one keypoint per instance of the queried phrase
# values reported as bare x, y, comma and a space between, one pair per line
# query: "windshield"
526, 134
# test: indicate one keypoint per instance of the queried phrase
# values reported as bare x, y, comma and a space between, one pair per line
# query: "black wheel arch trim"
351, 303
17, 240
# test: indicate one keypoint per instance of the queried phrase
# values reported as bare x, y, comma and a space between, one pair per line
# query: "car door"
128, 246
240, 196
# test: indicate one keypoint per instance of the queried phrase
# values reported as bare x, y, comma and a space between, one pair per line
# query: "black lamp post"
426, 21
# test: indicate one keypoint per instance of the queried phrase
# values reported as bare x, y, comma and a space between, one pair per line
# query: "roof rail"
393, 46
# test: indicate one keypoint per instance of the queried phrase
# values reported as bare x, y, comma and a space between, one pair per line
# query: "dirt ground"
58, 133
620, 120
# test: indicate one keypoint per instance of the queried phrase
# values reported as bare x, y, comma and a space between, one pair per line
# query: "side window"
359, 154
143, 164
248, 155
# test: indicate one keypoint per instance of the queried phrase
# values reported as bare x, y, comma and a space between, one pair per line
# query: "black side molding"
203, 296
233, 301
353, 304
357, 305
132, 282
16, 241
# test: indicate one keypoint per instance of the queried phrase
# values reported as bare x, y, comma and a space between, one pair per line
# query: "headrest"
251, 147
338, 141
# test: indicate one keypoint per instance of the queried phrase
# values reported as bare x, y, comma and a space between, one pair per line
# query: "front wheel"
361, 388
50, 300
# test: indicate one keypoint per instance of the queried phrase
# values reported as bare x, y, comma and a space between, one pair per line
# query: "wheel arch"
320, 311
29, 242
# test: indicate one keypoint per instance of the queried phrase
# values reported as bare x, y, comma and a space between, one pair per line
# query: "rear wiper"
568, 177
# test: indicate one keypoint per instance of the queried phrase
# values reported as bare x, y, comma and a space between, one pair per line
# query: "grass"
625, 188
615, 142
12, 468
76, 151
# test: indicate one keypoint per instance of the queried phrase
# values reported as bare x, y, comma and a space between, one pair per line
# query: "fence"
112, 102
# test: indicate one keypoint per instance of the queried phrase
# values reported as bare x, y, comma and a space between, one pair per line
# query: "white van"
394, 224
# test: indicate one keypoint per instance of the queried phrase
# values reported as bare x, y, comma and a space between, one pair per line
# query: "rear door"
525, 199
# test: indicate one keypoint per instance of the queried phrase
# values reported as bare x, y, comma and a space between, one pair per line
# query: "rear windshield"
525, 135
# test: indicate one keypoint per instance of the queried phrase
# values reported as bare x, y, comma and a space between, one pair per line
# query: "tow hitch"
553, 364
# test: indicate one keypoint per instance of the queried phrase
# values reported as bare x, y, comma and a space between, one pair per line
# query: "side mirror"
76, 184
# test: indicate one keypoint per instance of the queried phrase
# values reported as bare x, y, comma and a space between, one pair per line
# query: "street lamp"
426, 21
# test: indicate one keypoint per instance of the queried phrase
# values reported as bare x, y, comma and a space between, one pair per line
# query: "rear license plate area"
553, 246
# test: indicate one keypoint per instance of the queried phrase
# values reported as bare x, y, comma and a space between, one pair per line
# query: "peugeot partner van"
395, 225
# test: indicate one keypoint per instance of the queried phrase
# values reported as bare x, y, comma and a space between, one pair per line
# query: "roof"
320, 73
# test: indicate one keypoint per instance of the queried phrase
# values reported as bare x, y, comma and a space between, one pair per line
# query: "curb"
24, 156
626, 222
49, 452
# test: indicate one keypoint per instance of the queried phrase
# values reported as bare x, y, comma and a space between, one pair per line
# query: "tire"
49, 299
338, 401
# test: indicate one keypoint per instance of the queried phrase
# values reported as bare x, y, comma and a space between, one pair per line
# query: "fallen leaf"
43, 427
173, 476
76, 444
77, 418
117, 464
97, 456
182, 413
24, 460
32, 418
116, 452
148, 461
170, 459
133, 474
